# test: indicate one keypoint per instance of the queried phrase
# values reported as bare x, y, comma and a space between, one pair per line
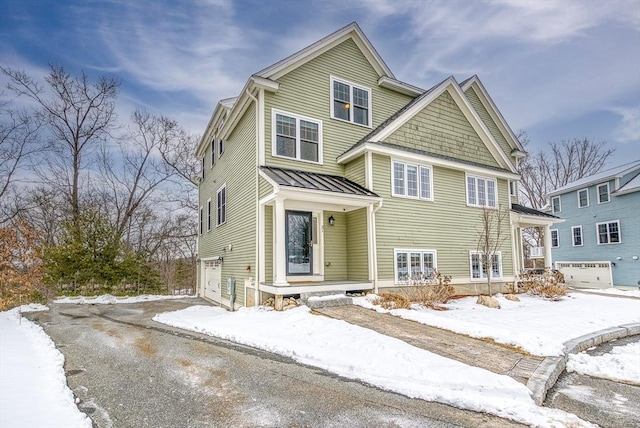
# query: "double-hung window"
202, 161
576, 233
220, 147
201, 228
603, 193
608, 232
297, 137
208, 214
555, 238
478, 269
555, 204
221, 197
414, 265
583, 198
213, 152
350, 102
481, 192
412, 181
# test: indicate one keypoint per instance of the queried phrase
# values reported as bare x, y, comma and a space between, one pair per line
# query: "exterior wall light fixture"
332, 220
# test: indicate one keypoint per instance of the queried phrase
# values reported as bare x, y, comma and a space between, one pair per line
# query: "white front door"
212, 280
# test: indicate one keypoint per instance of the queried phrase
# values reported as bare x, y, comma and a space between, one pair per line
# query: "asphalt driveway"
128, 371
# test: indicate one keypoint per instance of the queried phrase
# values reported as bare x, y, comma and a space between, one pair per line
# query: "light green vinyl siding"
268, 244
447, 224
442, 128
354, 171
307, 90
335, 246
236, 168
265, 187
357, 249
472, 96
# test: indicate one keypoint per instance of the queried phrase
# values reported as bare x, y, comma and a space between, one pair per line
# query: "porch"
316, 286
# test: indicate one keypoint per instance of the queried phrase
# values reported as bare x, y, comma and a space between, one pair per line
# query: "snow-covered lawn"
359, 353
622, 363
630, 292
108, 299
534, 324
33, 389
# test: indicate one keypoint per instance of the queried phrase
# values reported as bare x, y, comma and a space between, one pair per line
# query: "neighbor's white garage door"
586, 274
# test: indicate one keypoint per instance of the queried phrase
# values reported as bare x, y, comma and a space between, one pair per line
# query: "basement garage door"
586, 274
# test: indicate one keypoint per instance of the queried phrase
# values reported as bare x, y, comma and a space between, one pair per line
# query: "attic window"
350, 102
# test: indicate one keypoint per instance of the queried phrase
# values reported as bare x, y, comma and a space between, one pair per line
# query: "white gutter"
256, 295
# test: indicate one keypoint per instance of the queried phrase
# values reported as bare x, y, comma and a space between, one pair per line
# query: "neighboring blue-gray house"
598, 245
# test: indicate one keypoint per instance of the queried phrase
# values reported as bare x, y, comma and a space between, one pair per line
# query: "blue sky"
558, 69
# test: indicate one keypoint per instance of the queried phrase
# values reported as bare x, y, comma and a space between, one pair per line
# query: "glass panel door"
299, 243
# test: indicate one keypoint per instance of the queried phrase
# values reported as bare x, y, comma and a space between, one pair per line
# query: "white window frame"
213, 152
557, 238
220, 148
408, 252
201, 229
573, 236
483, 274
553, 210
221, 210
351, 85
209, 215
486, 191
608, 193
202, 162
419, 169
512, 188
608, 233
298, 118
578, 195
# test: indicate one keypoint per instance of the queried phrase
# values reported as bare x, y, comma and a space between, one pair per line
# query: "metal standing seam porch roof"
521, 209
315, 181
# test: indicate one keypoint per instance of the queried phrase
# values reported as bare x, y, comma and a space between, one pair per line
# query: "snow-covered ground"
33, 389
108, 299
629, 292
622, 363
534, 324
358, 353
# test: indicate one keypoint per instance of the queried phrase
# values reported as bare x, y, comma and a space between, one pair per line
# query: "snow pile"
33, 391
622, 363
108, 299
539, 326
359, 353
614, 291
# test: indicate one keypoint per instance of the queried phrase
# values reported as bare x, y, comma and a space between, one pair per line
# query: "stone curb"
550, 369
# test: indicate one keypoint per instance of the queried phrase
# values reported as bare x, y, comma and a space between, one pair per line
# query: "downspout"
256, 291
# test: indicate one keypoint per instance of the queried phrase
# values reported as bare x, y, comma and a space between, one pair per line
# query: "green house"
327, 174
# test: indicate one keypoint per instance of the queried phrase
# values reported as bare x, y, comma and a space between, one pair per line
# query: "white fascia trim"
430, 160
266, 84
493, 110
529, 220
276, 186
461, 100
206, 137
351, 31
592, 182
401, 87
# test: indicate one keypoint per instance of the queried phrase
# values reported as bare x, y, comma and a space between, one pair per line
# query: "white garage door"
586, 274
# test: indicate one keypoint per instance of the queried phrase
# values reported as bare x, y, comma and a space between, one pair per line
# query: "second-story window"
297, 137
481, 192
583, 198
555, 238
202, 167
213, 152
576, 233
412, 181
350, 102
555, 204
603, 193
220, 147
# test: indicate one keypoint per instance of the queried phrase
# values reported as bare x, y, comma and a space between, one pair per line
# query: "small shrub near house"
549, 284
430, 291
392, 301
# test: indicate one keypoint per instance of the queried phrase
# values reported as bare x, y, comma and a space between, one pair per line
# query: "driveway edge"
550, 369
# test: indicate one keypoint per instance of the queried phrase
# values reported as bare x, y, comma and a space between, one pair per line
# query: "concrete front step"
323, 299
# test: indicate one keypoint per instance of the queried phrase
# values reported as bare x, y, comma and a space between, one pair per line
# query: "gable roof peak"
349, 31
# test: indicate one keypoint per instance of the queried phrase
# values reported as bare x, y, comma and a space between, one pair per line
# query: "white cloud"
628, 129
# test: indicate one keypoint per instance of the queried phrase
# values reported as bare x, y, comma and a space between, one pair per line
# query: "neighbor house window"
213, 152
222, 205
350, 102
555, 238
412, 181
414, 265
478, 270
220, 147
512, 188
297, 137
603, 193
583, 198
555, 204
202, 167
201, 220
609, 232
576, 233
481, 192
208, 214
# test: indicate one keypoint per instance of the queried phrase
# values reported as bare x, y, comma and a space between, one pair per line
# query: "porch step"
322, 299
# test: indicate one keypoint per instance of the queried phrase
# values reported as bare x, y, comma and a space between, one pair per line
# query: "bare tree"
491, 235
18, 141
557, 165
77, 115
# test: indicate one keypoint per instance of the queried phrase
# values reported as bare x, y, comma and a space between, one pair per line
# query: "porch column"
547, 246
280, 268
